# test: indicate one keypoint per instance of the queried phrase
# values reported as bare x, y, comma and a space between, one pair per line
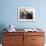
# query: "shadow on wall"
2, 26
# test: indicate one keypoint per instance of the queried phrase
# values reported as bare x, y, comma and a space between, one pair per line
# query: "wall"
8, 13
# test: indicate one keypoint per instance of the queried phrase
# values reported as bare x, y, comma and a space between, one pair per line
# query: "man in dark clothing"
29, 15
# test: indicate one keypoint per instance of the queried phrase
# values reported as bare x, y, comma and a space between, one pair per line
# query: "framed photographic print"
26, 14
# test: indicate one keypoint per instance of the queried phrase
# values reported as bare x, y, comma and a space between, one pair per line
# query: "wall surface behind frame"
9, 13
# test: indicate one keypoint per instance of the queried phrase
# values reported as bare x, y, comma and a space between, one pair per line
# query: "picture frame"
26, 14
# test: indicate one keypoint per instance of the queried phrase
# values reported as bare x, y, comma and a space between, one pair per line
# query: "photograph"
26, 14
